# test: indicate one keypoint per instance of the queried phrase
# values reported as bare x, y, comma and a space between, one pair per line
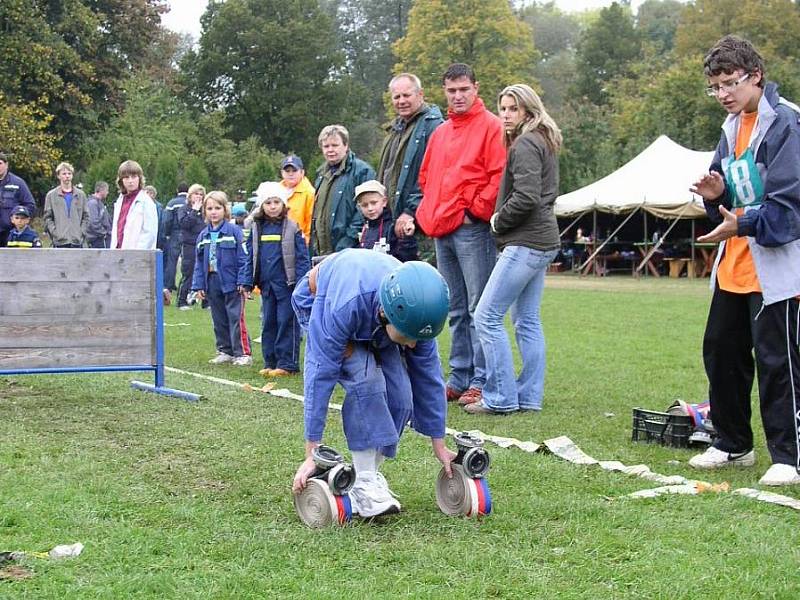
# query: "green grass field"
175, 500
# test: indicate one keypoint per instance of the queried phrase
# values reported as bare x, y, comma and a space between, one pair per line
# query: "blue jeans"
516, 283
465, 258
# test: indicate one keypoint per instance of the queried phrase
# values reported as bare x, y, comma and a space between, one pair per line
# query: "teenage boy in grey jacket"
752, 191
65, 216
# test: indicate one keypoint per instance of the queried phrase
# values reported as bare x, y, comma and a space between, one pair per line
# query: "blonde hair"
64, 165
536, 117
220, 198
129, 167
196, 187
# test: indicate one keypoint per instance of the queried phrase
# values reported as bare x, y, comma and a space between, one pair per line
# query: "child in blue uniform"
372, 323
223, 274
22, 236
280, 258
378, 230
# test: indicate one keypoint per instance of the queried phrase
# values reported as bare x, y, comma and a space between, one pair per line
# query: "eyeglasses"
727, 87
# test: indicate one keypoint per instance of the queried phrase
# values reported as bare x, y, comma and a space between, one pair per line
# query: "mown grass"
175, 500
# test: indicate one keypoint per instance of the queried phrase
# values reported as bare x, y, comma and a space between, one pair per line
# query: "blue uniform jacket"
13, 192
27, 238
403, 249
233, 259
345, 309
270, 273
170, 223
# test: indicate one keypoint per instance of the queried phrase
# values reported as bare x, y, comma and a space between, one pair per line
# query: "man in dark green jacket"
403, 149
337, 220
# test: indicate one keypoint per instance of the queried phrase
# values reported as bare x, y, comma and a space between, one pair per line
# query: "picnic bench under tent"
654, 182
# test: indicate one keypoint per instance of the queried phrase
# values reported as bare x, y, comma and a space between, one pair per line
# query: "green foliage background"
98, 81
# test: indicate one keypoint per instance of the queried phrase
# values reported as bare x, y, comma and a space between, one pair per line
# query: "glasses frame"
713, 90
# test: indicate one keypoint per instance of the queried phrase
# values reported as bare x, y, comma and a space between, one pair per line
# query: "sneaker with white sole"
242, 361
713, 458
371, 496
221, 358
779, 474
185, 307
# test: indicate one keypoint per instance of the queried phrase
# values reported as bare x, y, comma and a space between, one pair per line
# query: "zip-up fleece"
774, 226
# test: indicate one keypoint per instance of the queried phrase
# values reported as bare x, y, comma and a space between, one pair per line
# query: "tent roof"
658, 179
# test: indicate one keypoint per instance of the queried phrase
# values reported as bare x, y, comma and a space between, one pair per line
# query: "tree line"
96, 82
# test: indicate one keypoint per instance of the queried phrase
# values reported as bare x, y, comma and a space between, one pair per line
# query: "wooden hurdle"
83, 310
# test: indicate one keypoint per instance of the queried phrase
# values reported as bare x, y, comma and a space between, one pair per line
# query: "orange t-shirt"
736, 272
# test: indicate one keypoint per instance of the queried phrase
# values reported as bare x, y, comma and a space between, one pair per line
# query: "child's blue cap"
21, 211
239, 209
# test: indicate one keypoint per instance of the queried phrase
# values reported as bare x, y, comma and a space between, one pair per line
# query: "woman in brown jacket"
526, 233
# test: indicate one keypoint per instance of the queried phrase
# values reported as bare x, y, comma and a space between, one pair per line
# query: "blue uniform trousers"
378, 400
226, 314
280, 332
171, 255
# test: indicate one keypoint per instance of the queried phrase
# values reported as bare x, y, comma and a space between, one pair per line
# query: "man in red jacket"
459, 178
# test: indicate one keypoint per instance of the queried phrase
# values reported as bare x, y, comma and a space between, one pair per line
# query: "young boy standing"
22, 236
752, 191
378, 226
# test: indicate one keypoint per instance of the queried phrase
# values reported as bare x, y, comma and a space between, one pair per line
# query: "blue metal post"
159, 319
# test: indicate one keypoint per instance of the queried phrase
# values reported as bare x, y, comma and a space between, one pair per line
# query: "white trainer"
779, 474
371, 496
717, 459
185, 307
243, 361
221, 358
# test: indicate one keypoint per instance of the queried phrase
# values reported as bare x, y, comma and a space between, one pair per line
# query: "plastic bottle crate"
662, 428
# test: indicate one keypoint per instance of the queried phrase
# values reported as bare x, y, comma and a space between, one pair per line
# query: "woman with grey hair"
337, 221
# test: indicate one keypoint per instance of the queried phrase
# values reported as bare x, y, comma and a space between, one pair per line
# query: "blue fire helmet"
238, 210
415, 299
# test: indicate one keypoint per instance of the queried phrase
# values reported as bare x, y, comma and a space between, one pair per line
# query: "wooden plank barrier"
83, 310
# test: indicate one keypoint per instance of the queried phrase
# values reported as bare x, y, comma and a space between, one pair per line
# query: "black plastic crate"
661, 428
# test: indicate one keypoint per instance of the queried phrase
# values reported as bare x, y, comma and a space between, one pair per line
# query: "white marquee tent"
657, 181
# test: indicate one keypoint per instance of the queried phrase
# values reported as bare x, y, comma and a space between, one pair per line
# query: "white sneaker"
243, 361
221, 358
779, 474
371, 496
257, 340
185, 307
716, 459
